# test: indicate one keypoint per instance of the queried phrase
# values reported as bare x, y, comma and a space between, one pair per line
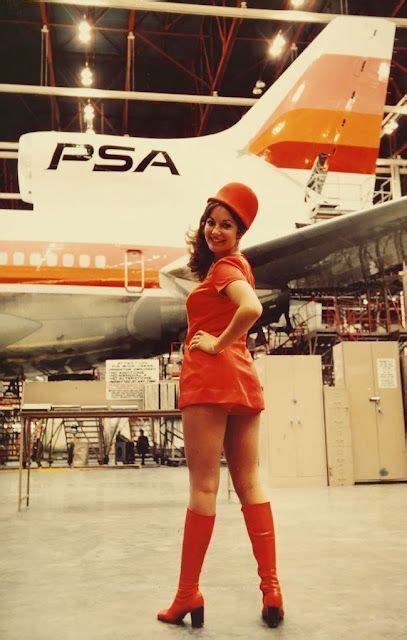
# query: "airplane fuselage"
79, 274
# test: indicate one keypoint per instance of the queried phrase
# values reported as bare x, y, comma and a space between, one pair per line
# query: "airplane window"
84, 260
67, 260
35, 259
18, 258
51, 259
100, 262
3, 257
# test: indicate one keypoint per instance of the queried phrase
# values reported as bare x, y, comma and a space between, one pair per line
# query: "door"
372, 378
359, 381
281, 427
133, 271
309, 419
277, 459
388, 406
292, 442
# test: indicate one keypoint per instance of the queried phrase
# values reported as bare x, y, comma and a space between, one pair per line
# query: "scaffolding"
321, 321
10, 403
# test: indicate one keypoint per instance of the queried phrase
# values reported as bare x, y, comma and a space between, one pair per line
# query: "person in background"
142, 446
37, 446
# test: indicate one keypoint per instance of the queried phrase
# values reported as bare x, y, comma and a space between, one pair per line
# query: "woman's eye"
211, 223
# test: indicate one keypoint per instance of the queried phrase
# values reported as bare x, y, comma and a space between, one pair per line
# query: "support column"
395, 182
404, 301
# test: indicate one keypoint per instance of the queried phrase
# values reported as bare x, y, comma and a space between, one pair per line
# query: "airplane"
98, 268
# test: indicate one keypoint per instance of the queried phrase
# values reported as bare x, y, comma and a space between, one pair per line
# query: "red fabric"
228, 378
241, 199
227, 270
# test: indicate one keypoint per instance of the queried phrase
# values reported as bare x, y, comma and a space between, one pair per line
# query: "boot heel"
272, 616
197, 617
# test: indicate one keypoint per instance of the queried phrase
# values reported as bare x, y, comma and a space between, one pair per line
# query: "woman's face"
221, 232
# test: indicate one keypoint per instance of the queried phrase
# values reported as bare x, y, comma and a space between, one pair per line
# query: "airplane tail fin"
330, 100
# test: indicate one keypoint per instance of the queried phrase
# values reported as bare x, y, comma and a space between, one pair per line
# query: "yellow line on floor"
98, 468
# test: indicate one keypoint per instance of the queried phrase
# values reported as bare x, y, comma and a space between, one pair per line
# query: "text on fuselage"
120, 158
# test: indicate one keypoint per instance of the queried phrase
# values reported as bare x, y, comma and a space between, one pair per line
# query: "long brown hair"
201, 256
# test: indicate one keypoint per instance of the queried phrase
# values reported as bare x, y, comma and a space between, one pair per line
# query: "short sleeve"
227, 270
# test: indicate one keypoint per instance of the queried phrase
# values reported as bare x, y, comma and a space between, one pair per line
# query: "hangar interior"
87, 504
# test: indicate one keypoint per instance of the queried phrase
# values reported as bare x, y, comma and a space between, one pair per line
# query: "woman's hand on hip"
204, 341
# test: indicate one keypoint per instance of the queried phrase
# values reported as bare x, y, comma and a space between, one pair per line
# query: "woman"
221, 400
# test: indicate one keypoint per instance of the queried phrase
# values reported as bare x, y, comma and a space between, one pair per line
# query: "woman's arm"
248, 311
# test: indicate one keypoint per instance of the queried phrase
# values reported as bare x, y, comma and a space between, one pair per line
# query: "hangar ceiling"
170, 53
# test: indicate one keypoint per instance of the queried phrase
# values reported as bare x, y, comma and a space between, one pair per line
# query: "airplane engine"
156, 318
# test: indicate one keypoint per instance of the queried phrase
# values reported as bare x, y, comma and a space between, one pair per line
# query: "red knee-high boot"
260, 526
188, 599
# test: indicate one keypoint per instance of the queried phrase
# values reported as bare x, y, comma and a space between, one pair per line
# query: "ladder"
90, 429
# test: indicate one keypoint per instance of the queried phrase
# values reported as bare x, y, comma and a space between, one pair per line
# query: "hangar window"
3, 257
84, 260
51, 259
100, 262
18, 258
67, 260
35, 259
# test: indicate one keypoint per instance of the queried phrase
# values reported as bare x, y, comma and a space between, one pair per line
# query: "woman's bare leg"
241, 446
204, 428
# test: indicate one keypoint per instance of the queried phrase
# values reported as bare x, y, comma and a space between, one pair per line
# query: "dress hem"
229, 407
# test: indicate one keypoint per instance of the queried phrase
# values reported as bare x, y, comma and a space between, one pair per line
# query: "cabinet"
370, 371
403, 365
292, 436
338, 437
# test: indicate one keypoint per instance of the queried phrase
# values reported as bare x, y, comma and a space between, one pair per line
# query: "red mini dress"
228, 378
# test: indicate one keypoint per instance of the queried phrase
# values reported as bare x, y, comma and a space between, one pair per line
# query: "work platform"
82, 413
322, 340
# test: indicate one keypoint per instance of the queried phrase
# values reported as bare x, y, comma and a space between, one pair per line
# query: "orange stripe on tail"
335, 107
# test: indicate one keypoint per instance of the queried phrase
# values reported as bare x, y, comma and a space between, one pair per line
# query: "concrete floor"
97, 554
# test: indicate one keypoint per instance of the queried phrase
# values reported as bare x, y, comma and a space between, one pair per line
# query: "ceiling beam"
208, 10
227, 46
398, 7
55, 117
110, 94
150, 32
129, 68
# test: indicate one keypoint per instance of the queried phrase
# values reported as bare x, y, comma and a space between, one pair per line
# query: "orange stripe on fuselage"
69, 276
112, 274
338, 102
